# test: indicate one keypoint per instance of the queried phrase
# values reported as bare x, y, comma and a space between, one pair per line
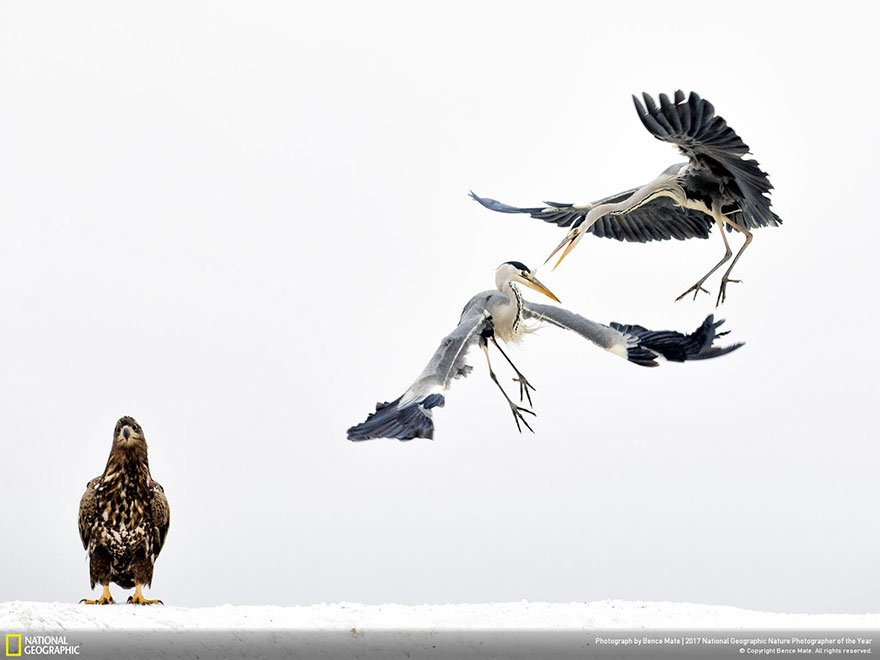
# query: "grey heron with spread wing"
504, 314
717, 185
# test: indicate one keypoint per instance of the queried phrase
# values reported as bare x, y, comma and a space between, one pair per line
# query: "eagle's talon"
138, 598
105, 599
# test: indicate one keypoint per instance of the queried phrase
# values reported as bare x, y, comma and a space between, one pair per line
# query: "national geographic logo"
13, 651
16, 646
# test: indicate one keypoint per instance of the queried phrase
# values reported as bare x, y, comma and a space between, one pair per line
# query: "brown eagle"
123, 518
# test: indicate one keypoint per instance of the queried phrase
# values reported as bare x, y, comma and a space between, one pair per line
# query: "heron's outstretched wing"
409, 416
705, 138
637, 344
658, 220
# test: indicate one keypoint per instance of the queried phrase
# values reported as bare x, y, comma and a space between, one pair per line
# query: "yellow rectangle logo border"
13, 655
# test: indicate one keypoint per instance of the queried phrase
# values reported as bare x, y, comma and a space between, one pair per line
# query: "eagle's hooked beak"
532, 282
126, 431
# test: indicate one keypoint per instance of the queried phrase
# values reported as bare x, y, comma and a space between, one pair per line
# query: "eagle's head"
129, 434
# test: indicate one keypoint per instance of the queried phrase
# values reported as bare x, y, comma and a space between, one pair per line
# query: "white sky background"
244, 225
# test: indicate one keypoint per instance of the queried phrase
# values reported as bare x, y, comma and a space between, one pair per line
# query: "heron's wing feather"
409, 416
563, 215
601, 335
705, 138
161, 517
87, 512
633, 342
658, 220
448, 361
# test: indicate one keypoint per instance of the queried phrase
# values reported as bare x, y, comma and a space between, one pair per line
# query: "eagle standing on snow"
123, 518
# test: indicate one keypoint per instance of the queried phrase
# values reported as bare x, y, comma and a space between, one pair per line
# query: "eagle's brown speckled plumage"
124, 515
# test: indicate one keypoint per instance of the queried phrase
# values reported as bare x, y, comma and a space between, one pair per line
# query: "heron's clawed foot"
524, 387
722, 292
518, 416
140, 600
696, 288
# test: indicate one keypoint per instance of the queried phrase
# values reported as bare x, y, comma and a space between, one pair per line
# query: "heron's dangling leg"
524, 384
696, 288
722, 292
515, 409
105, 599
138, 597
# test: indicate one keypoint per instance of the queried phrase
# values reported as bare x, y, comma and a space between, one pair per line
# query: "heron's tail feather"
674, 346
406, 422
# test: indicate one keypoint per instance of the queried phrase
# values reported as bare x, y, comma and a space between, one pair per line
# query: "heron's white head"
516, 271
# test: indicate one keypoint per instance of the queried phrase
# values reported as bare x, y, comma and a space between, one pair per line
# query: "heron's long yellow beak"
532, 282
570, 240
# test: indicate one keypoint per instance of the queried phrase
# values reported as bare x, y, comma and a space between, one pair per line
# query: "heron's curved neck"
664, 185
516, 301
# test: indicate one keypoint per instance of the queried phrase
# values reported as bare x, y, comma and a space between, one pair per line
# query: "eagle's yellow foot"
138, 597
105, 599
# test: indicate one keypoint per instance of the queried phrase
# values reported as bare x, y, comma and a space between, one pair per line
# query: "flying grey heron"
503, 313
717, 185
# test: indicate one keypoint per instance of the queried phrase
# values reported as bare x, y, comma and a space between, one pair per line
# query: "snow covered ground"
607, 629
602, 615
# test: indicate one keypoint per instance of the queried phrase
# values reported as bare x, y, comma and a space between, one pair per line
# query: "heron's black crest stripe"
518, 264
